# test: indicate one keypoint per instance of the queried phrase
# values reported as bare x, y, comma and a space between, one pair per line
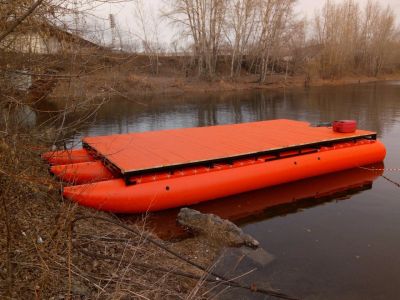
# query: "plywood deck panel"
142, 151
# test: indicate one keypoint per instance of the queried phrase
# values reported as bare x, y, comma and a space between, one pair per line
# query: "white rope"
383, 176
383, 169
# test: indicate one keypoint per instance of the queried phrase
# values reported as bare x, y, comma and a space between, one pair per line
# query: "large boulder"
215, 228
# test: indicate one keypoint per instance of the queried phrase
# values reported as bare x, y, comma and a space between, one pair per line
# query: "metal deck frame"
225, 160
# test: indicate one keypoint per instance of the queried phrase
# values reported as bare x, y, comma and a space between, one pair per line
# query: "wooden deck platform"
156, 150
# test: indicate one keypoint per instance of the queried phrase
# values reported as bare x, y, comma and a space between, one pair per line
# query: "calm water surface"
342, 240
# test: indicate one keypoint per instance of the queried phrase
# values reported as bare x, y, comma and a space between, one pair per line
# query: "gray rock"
215, 228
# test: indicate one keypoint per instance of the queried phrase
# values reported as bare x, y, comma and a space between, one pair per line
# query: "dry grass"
42, 258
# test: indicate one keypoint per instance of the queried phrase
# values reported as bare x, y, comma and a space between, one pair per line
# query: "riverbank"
54, 249
122, 84
131, 75
40, 246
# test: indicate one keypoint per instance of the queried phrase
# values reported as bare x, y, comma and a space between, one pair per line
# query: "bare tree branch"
20, 19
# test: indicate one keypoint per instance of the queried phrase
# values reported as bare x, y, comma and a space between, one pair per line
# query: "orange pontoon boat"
156, 170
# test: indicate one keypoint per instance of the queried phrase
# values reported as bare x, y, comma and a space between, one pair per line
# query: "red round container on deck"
344, 126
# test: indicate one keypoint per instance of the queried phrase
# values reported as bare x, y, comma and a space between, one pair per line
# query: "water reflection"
267, 203
344, 250
374, 106
20, 115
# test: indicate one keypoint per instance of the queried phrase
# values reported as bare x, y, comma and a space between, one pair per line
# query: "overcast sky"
125, 18
309, 6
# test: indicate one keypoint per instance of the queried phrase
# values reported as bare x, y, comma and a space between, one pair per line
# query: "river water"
334, 237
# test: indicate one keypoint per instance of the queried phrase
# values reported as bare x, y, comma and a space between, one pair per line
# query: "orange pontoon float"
156, 170
273, 201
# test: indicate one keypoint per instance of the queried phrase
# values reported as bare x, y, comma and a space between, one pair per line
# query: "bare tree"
40, 255
296, 46
148, 32
337, 31
378, 35
353, 39
240, 25
274, 20
203, 21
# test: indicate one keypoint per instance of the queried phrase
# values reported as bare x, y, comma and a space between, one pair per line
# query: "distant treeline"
262, 35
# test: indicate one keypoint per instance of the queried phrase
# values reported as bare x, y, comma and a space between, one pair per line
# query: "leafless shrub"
354, 38
39, 255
